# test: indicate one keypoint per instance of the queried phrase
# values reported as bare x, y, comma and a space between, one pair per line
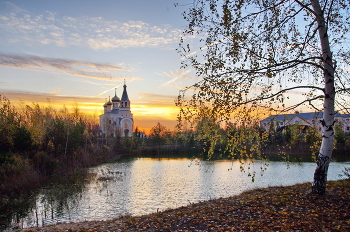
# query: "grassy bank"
291, 208
20, 180
26, 173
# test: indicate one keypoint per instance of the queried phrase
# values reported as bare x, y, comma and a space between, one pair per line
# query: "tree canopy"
255, 54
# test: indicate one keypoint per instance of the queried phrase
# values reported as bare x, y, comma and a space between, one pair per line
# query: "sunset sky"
78, 51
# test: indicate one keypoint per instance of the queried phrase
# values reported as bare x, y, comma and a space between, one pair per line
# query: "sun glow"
147, 116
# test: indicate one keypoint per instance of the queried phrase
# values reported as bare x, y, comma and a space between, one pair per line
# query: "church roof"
114, 111
305, 116
109, 101
115, 98
125, 94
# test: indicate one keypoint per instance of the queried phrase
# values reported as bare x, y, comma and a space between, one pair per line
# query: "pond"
145, 185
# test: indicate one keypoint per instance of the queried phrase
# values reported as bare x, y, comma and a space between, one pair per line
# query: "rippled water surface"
143, 186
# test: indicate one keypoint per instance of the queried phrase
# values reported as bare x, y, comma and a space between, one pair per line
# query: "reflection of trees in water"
59, 197
14, 208
103, 178
56, 200
43, 207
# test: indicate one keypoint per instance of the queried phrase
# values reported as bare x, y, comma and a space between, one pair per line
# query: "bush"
6, 158
22, 139
44, 163
17, 176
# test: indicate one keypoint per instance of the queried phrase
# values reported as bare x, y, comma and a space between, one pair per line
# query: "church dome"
115, 98
109, 103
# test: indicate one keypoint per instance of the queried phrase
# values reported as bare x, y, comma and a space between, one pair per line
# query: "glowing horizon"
146, 114
52, 54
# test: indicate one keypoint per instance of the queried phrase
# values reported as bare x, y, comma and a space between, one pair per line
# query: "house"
311, 119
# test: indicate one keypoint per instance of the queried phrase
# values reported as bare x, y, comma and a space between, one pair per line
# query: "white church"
117, 119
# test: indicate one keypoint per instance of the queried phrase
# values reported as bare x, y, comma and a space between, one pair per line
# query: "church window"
109, 121
126, 104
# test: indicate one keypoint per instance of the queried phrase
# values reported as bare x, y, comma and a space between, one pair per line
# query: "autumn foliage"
37, 141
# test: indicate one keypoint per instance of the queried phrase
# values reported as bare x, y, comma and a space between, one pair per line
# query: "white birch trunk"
324, 157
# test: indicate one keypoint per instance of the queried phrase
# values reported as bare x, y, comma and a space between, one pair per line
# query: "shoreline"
288, 208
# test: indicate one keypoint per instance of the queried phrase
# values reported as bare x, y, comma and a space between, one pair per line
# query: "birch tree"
256, 53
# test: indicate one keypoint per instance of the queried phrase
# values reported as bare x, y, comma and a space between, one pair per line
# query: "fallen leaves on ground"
291, 208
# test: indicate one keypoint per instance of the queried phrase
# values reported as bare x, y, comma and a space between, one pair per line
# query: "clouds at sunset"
156, 98
93, 32
85, 69
28, 97
76, 53
154, 105
177, 76
149, 109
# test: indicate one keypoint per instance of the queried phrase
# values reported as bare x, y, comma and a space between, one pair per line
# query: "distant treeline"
39, 141
208, 140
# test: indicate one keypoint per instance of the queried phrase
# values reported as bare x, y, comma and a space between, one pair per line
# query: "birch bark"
327, 123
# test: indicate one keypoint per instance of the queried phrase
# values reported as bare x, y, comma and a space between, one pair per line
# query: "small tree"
135, 139
256, 51
8, 125
158, 134
22, 139
340, 136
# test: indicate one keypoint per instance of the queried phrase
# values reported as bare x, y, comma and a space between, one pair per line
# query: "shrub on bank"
17, 176
37, 142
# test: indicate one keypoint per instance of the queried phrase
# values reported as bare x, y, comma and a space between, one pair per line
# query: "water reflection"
46, 206
13, 209
147, 185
